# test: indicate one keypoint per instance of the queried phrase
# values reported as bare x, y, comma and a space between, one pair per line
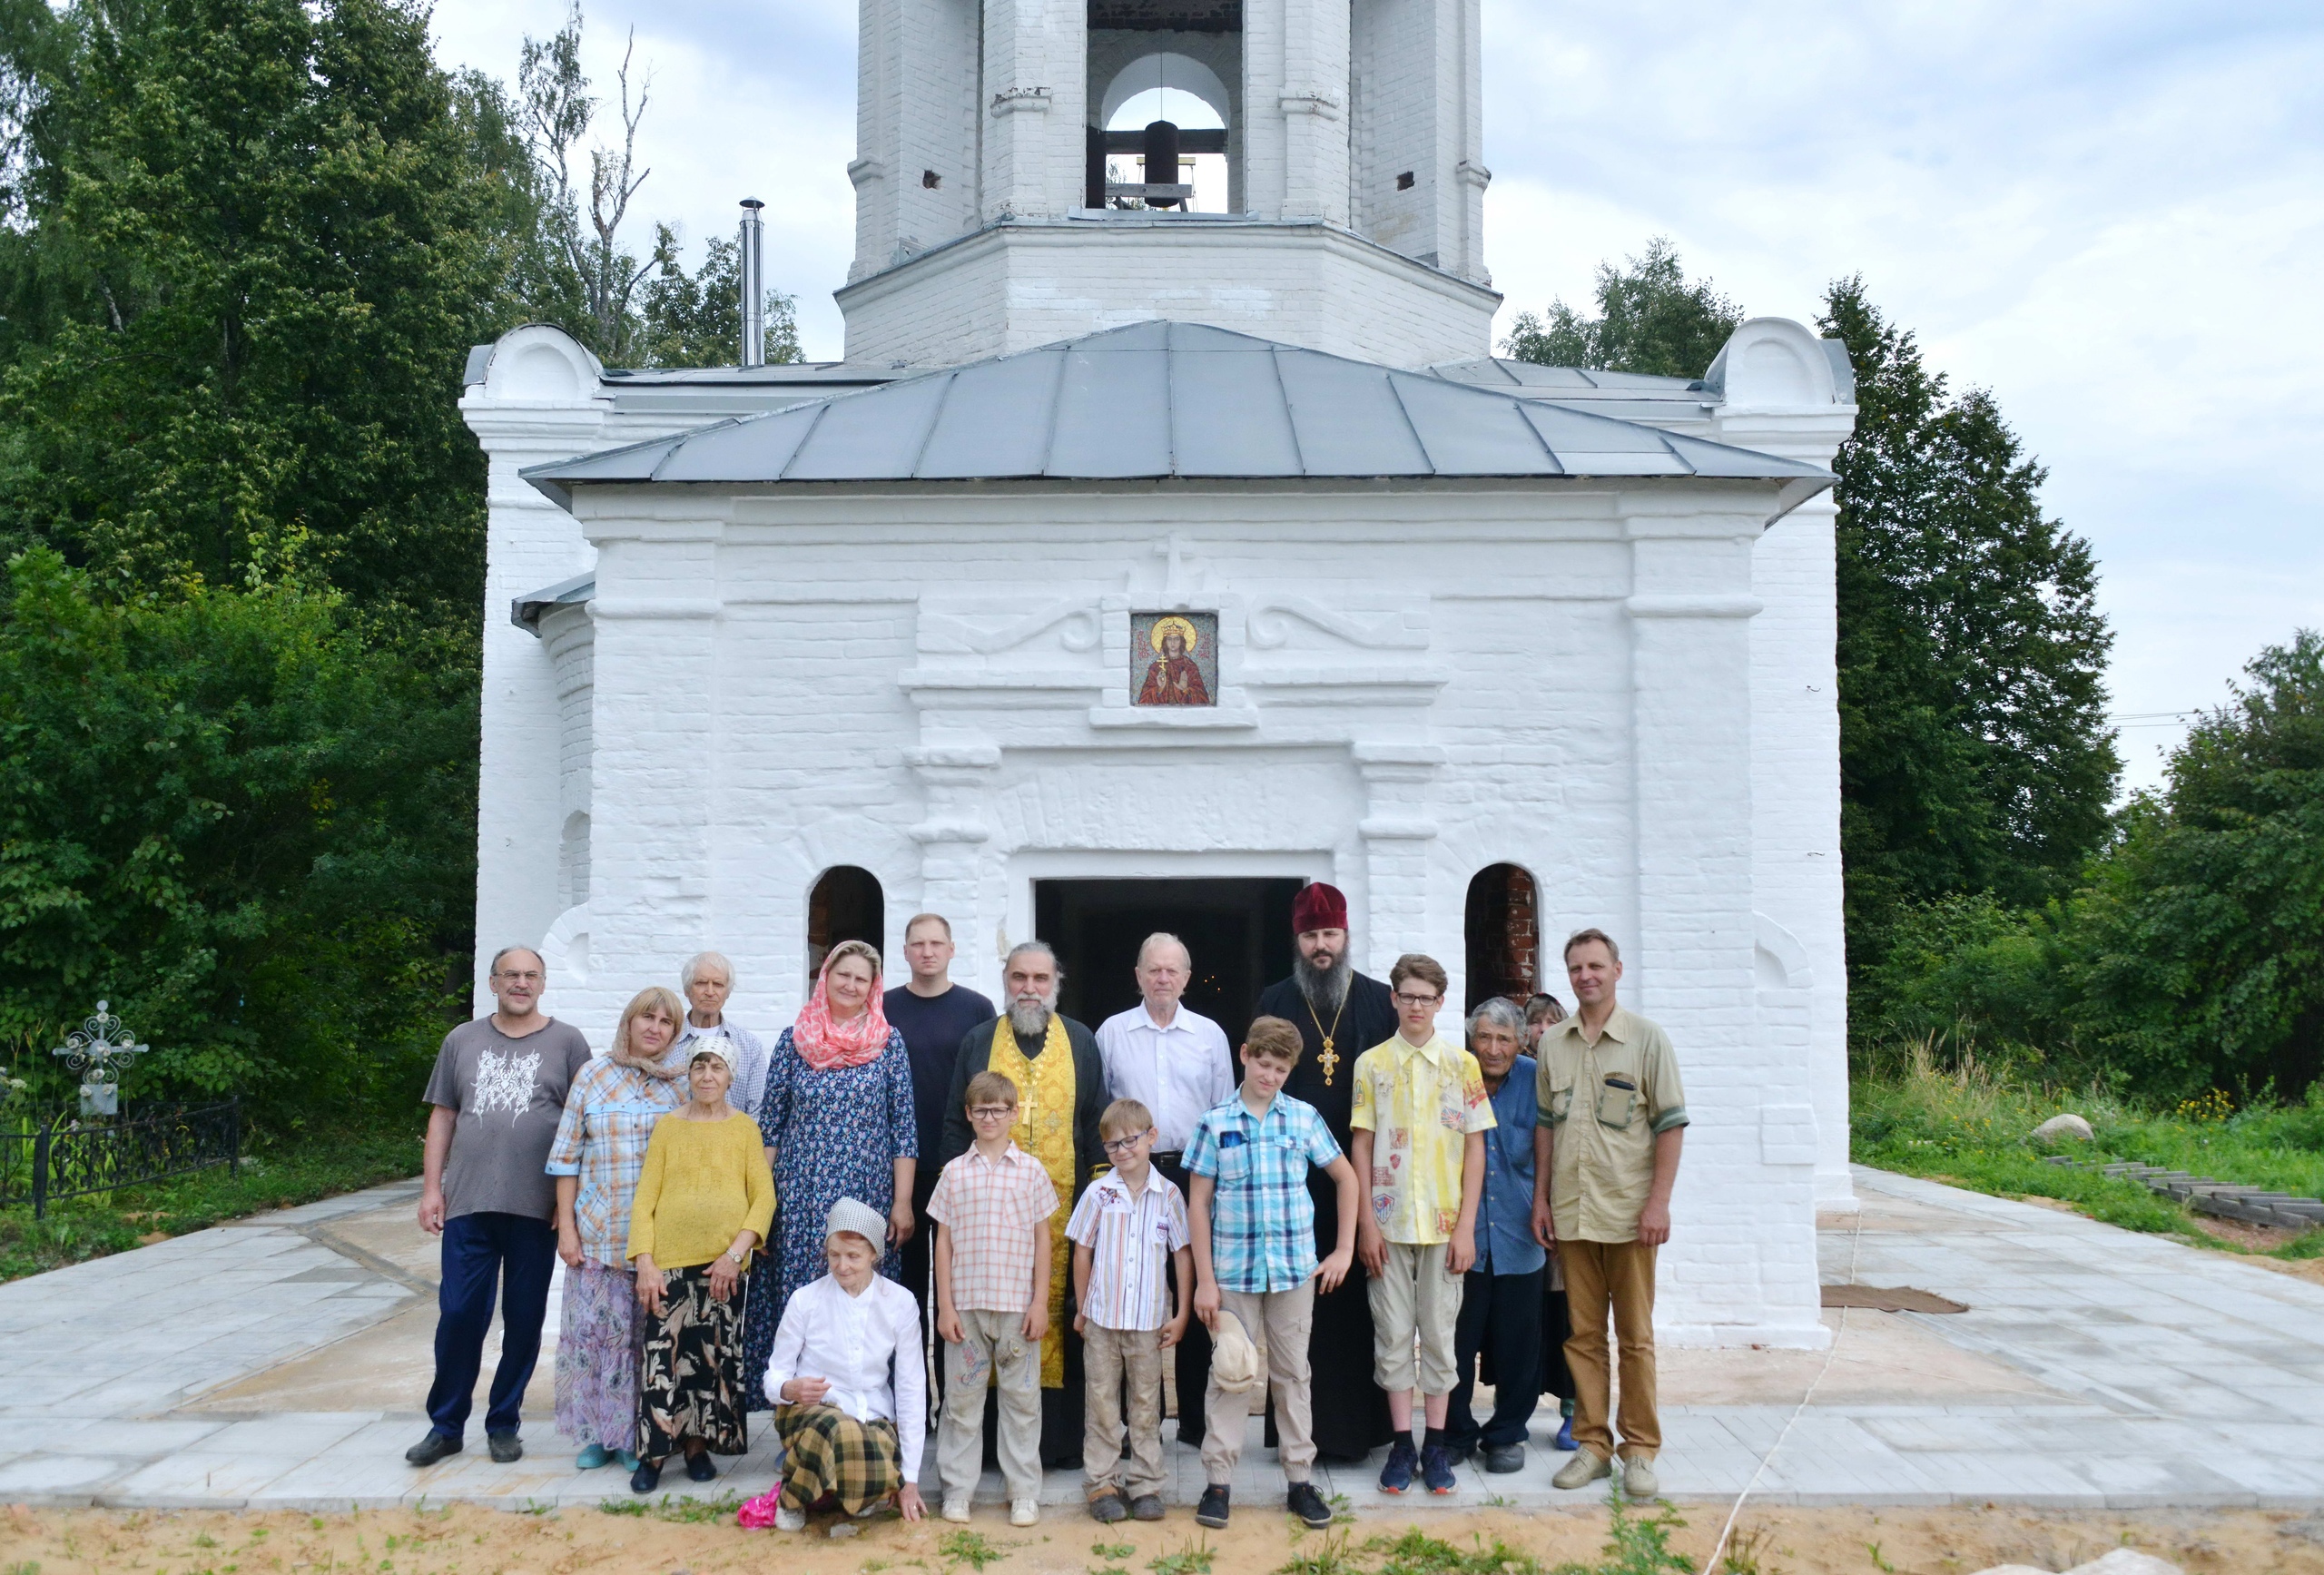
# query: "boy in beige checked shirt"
991, 1208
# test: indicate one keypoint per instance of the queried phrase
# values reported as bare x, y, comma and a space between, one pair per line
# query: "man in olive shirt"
1605, 1155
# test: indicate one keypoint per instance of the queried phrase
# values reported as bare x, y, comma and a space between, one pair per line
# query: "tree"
1650, 320
1974, 755
255, 244
558, 108
647, 313
2198, 947
222, 812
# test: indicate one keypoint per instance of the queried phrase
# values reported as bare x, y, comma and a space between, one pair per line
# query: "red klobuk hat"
1318, 907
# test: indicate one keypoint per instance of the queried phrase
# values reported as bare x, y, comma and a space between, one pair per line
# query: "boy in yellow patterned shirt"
1417, 1128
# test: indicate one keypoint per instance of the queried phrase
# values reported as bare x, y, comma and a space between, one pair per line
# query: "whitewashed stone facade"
1624, 685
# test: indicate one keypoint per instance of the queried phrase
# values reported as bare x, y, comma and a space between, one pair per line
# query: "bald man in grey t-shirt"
497, 1094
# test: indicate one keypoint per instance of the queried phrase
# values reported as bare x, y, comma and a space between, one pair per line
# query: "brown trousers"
1616, 1276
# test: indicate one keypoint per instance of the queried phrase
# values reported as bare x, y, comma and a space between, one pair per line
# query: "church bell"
1161, 159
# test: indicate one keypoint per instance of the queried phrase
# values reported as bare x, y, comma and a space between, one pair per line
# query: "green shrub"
231, 817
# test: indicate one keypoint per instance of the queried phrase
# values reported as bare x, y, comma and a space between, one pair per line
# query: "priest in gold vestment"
1060, 1093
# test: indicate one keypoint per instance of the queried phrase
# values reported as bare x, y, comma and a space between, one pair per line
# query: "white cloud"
2106, 210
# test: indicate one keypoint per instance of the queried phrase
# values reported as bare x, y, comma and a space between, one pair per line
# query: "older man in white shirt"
1177, 1063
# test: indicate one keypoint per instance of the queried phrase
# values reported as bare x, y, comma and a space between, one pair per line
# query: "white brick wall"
1018, 286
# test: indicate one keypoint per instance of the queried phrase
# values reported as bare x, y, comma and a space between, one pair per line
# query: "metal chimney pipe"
752, 256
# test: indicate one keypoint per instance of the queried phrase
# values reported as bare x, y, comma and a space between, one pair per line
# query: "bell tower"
1308, 171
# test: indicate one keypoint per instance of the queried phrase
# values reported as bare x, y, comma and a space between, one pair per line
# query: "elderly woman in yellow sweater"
705, 1201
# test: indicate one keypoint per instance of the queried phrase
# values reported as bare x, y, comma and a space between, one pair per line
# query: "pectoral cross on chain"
1329, 1060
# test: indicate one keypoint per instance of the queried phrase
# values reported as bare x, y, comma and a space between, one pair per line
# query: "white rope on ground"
1855, 1235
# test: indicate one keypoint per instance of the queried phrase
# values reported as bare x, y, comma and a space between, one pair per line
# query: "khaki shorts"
1415, 1297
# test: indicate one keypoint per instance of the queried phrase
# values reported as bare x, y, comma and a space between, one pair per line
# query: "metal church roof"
1171, 399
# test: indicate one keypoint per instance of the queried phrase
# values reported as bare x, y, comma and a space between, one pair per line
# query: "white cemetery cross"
98, 1049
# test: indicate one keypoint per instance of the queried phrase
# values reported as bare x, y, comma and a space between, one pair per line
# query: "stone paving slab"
2094, 1369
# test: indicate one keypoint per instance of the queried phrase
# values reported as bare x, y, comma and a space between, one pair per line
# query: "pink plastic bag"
758, 1514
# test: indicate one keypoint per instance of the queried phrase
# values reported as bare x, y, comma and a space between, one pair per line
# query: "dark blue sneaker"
1397, 1474
1565, 1434
1436, 1469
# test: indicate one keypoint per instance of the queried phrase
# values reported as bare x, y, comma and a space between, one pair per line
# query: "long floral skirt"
596, 1357
690, 1378
827, 1452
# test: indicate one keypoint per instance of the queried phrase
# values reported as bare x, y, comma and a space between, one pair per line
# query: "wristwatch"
739, 1258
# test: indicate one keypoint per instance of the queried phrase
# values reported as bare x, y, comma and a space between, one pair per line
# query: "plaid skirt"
826, 1451
690, 1374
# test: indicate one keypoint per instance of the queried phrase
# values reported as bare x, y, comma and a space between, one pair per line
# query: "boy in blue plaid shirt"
1253, 1228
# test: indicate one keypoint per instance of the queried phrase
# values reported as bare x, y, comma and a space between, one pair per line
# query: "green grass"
973, 1548
1971, 1124
316, 1165
677, 1510
1638, 1544
1191, 1558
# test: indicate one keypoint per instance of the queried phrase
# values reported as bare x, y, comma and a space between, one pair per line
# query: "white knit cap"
717, 1045
858, 1219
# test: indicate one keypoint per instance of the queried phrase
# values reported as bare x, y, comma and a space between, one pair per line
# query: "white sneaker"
1586, 1467
1639, 1480
1025, 1512
956, 1508
787, 1519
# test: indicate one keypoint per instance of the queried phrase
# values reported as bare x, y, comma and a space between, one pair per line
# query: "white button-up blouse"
866, 1348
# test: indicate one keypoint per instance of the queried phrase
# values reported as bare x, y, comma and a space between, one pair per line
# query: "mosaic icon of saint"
1173, 678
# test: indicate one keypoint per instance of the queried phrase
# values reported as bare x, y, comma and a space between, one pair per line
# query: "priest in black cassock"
1340, 1014
1061, 1096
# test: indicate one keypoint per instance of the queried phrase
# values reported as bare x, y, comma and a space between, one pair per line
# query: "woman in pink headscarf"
837, 1119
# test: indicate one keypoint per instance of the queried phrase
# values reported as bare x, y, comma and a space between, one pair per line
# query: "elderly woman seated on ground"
847, 1380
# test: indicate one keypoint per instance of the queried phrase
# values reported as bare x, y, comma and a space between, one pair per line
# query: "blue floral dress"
835, 1134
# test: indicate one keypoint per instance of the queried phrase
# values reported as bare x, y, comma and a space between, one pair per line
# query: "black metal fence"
74, 1157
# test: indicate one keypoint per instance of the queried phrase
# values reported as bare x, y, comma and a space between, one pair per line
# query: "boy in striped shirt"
1128, 1233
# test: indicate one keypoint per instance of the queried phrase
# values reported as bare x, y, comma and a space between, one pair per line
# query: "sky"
2108, 214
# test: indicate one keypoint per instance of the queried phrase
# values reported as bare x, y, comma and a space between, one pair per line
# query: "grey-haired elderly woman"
848, 1381
708, 979
1501, 1303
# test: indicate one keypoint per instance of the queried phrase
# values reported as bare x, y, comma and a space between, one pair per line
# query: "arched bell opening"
1165, 95
846, 904
1502, 928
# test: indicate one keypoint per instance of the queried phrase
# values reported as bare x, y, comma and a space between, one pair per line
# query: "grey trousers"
1278, 1323
1108, 1357
995, 1353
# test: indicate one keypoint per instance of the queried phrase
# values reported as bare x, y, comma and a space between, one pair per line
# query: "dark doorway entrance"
1239, 931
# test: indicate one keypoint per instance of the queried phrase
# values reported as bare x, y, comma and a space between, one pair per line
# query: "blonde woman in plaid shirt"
600, 1148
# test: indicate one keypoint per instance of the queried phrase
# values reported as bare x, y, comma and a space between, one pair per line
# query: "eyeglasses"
519, 978
992, 1112
1124, 1145
1405, 998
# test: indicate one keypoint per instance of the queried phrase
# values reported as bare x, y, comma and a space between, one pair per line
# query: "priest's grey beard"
1029, 1020
1324, 988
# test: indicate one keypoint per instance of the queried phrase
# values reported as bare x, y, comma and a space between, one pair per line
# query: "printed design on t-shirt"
504, 1083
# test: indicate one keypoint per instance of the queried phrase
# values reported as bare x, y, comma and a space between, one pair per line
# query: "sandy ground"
477, 1541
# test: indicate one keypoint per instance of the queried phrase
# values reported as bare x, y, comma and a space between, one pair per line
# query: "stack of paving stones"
2252, 1204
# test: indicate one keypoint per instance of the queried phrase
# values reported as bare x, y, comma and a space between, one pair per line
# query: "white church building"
1163, 544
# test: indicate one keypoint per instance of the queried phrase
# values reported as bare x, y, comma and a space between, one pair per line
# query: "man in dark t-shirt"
496, 1096
934, 1015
